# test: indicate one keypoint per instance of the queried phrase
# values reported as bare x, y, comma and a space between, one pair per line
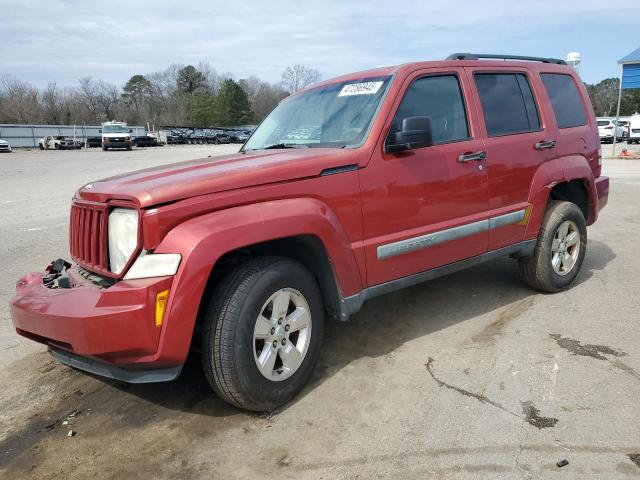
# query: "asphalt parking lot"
473, 375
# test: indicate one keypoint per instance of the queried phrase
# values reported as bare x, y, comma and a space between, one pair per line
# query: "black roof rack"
478, 56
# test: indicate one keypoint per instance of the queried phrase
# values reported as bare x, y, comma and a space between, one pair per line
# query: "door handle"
470, 156
544, 144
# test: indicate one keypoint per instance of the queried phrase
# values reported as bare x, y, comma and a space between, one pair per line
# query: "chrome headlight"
123, 237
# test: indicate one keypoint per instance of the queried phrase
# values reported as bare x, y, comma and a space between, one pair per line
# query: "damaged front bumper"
107, 330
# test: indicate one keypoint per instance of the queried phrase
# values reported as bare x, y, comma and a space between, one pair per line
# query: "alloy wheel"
282, 334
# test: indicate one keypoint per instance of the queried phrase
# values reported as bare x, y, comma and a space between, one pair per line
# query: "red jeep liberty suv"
349, 189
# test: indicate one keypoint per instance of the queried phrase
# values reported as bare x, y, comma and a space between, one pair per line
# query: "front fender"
548, 175
203, 240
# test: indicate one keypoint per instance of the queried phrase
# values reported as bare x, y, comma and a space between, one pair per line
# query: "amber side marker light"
161, 305
527, 215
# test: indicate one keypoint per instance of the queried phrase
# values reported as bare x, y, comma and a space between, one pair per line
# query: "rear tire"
256, 316
559, 251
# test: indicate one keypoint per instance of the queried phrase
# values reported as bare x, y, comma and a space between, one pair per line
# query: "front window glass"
440, 99
337, 115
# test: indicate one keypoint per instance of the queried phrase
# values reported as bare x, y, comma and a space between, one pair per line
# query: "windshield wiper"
276, 146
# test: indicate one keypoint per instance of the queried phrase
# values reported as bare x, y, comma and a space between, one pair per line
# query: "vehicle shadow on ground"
383, 325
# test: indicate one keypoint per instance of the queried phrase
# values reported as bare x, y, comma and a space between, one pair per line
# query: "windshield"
336, 115
115, 129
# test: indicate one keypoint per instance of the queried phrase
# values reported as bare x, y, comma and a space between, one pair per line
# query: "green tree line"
604, 97
178, 95
195, 96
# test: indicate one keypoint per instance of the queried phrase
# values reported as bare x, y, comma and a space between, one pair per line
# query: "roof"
633, 57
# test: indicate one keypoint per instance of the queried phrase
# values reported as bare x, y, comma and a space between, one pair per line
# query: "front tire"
559, 251
262, 333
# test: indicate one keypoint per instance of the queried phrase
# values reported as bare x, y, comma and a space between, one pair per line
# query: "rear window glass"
566, 101
507, 103
603, 123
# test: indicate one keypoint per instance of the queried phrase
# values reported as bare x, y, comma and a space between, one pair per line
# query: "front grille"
88, 235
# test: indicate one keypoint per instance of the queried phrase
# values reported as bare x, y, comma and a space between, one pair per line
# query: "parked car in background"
606, 128
175, 140
5, 147
624, 124
394, 176
59, 142
199, 138
221, 138
239, 136
93, 142
146, 141
634, 129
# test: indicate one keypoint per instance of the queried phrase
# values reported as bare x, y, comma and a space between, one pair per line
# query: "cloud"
63, 40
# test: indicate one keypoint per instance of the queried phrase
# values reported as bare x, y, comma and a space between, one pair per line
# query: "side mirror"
415, 133
131, 130
100, 131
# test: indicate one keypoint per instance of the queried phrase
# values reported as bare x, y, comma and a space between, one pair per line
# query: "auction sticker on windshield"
364, 88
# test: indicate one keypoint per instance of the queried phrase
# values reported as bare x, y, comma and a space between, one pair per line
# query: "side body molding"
203, 240
551, 173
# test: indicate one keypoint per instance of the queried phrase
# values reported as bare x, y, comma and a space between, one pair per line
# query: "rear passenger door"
517, 139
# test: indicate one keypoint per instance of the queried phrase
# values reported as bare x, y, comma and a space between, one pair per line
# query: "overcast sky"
49, 40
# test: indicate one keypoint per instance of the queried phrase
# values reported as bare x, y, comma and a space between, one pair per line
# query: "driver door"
426, 207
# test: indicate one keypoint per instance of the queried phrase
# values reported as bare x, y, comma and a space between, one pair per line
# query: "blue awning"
630, 75
631, 70
633, 57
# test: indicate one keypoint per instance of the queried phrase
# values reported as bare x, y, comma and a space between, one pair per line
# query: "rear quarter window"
565, 99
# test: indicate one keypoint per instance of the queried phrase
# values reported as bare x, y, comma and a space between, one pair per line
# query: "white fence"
28, 135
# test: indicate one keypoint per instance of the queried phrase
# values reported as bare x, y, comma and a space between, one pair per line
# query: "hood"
3, 142
182, 180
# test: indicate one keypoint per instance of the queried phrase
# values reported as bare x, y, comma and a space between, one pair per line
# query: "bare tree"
87, 93
262, 96
19, 101
108, 96
299, 76
52, 104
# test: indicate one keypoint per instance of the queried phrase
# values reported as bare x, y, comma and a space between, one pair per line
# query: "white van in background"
634, 129
116, 135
